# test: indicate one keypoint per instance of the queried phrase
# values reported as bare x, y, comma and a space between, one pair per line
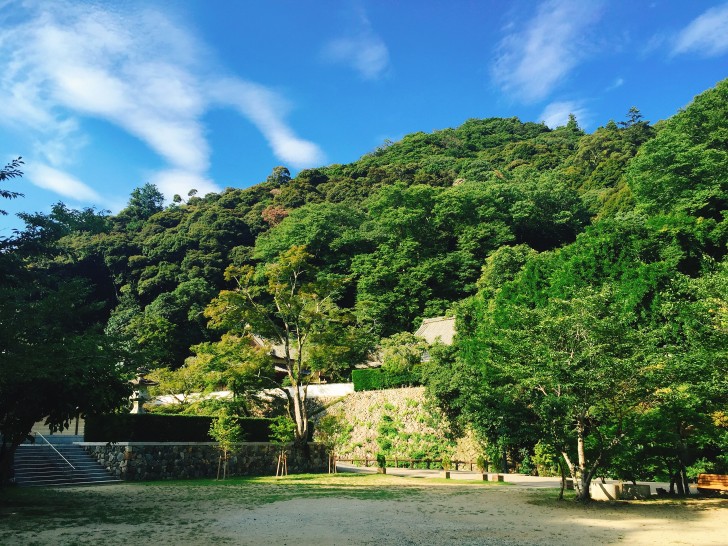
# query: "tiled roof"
277, 350
442, 328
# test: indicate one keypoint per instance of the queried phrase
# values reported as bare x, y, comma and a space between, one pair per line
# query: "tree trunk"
582, 478
583, 495
580, 452
7, 455
562, 470
682, 471
8, 447
295, 370
300, 415
677, 478
686, 482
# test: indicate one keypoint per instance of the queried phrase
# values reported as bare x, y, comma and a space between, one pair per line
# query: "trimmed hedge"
367, 380
375, 379
148, 427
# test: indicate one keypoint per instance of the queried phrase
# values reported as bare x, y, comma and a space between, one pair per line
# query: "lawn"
342, 509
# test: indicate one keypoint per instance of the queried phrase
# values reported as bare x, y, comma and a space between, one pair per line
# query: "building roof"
437, 328
277, 350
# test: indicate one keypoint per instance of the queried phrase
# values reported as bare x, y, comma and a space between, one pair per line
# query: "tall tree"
143, 203
289, 306
56, 362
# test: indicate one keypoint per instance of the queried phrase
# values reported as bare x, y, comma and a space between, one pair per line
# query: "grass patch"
549, 497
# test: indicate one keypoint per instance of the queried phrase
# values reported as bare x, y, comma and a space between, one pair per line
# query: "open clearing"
345, 509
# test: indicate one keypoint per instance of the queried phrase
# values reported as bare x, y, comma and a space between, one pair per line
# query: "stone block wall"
139, 461
412, 424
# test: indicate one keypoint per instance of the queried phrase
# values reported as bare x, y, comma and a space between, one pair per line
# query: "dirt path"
502, 517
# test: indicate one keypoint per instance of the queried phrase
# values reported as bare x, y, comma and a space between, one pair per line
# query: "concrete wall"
139, 461
315, 390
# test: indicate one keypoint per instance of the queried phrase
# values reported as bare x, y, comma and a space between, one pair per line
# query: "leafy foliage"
597, 348
290, 306
9, 171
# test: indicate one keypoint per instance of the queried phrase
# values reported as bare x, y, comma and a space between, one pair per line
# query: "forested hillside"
408, 225
587, 273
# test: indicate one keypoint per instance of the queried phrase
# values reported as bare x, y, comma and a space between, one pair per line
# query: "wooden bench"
709, 483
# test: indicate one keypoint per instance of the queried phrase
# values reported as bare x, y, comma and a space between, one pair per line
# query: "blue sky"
100, 97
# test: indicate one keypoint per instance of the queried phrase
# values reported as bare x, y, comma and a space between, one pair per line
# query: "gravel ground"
355, 510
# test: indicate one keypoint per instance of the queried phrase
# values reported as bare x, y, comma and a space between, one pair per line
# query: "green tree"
56, 362
334, 432
11, 170
289, 306
233, 363
502, 266
143, 203
225, 430
683, 168
683, 418
581, 367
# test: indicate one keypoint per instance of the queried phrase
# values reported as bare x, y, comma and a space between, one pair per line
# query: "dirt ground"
364, 510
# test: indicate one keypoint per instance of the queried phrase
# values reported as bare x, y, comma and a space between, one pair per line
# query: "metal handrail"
54, 449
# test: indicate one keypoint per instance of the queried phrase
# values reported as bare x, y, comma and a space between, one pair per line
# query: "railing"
398, 462
36, 433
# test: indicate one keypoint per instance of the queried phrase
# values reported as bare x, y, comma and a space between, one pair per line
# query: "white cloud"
363, 50
266, 110
556, 114
139, 71
533, 60
367, 54
706, 35
61, 183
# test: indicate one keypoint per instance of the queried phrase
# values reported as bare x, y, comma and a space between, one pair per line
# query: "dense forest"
587, 273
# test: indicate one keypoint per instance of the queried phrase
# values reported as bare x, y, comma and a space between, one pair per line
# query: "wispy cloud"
61, 183
618, 82
363, 50
706, 35
534, 58
265, 109
556, 114
139, 71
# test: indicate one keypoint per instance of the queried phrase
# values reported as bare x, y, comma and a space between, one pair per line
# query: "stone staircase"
59, 464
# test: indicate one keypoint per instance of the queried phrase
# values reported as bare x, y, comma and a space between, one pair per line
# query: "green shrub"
128, 427
526, 464
446, 462
701, 466
367, 380
282, 430
381, 460
481, 463
546, 459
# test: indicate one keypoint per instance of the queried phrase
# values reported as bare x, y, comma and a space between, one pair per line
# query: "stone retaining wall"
417, 428
139, 461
